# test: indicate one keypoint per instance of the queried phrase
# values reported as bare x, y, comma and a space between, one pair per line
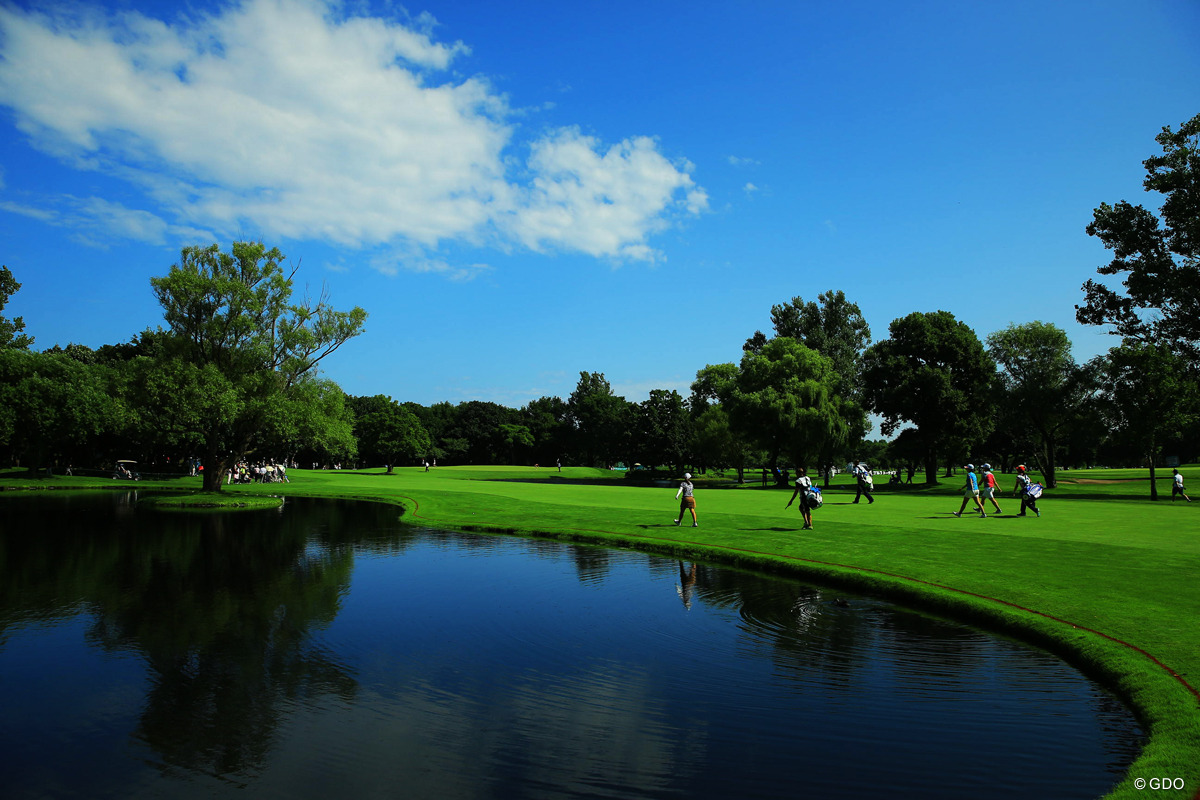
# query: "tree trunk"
1049, 467
1047, 459
214, 471
1153, 482
931, 475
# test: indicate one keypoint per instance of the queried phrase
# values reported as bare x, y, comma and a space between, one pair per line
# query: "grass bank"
1105, 578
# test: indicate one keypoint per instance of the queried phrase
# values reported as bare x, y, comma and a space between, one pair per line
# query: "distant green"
1105, 577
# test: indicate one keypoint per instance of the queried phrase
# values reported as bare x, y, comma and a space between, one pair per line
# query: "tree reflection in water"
290, 652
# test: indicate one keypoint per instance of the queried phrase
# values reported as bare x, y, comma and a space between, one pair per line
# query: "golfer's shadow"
776, 529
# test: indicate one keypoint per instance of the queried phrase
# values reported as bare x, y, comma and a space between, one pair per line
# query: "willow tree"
245, 344
783, 399
834, 327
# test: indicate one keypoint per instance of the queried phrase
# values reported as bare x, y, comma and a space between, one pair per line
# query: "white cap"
687, 476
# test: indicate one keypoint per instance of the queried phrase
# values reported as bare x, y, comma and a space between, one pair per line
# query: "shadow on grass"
774, 529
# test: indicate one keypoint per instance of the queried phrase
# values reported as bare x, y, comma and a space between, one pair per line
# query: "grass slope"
1104, 577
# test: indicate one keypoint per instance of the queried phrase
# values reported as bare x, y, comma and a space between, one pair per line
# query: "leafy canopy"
1159, 255
10, 329
232, 321
932, 371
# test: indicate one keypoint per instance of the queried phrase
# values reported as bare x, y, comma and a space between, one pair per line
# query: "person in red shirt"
988, 487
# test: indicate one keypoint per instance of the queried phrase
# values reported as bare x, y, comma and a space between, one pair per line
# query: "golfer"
970, 492
803, 487
866, 484
1177, 486
687, 502
988, 490
1022, 489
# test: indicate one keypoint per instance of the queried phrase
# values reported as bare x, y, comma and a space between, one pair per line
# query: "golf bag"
814, 498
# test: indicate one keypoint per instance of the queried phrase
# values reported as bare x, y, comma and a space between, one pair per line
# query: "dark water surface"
323, 650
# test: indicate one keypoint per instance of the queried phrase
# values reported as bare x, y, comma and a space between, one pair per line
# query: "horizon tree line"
234, 375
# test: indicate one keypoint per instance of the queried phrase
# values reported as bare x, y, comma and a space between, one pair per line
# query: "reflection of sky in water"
374, 661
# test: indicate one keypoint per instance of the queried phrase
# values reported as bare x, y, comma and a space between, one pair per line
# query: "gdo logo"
1160, 783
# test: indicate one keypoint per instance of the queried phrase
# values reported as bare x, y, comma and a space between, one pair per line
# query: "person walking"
1177, 486
866, 484
988, 488
803, 487
1024, 489
687, 501
970, 492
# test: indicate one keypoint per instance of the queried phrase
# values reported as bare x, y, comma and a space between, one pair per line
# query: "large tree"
231, 317
313, 418
1041, 385
51, 405
10, 329
931, 371
715, 440
388, 432
1159, 255
783, 399
601, 419
479, 424
549, 423
715, 443
663, 429
1149, 398
834, 327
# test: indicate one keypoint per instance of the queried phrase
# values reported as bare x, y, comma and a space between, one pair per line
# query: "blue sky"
520, 192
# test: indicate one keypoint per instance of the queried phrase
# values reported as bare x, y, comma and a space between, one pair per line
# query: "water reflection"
326, 649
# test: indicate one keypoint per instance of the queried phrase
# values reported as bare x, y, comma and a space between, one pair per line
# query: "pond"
323, 649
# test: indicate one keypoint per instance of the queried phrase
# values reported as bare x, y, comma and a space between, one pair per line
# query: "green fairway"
1104, 577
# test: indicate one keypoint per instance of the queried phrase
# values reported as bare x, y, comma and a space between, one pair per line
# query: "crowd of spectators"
258, 473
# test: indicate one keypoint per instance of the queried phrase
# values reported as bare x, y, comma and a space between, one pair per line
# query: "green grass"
1105, 578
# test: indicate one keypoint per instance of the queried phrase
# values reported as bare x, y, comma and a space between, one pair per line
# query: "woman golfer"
688, 502
803, 486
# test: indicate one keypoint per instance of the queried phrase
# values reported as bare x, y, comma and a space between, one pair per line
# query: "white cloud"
739, 161
392, 263
601, 203
749, 188
296, 119
97, 221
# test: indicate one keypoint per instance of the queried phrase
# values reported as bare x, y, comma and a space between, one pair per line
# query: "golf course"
1104, 578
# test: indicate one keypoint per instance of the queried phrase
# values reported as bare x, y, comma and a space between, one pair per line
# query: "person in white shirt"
688, 501
803, 486
865, 483
1177, 486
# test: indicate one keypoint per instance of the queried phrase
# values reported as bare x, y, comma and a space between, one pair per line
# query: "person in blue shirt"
970, 492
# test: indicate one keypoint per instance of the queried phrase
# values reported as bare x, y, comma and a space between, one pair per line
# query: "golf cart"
126, 470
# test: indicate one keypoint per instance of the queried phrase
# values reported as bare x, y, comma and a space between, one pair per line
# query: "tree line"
234, 374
